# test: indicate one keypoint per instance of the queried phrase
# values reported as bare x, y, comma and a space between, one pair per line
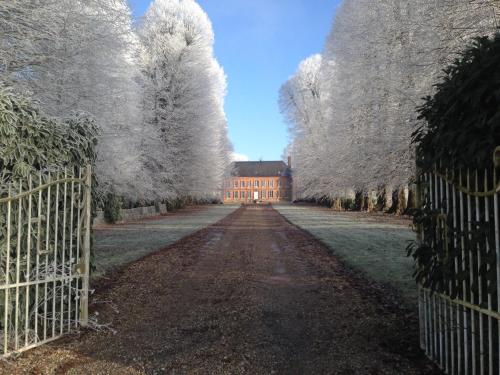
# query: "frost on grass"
375, 247
126, 243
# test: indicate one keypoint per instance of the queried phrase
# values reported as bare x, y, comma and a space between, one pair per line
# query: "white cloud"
239, 157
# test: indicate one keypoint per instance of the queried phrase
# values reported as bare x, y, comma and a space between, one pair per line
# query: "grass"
121, 244
376, 248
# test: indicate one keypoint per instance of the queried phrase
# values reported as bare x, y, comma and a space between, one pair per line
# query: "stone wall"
133, 214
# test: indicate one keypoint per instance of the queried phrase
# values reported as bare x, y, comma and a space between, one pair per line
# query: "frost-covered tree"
302, 101
379, 60
79, 56
157, 94
185, 89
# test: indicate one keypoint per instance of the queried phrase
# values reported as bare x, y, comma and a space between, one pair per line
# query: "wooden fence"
460, 315
44, 258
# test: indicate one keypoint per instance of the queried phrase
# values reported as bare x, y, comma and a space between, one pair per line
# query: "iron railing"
44, 257
459, 320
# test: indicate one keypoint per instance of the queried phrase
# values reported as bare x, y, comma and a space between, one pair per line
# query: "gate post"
84, 300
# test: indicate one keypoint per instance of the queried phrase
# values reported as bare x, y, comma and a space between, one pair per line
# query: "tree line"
352, 110
154, 88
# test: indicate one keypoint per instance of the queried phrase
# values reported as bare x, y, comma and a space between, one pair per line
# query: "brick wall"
269, 189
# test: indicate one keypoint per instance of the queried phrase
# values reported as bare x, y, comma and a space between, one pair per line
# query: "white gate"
44, 258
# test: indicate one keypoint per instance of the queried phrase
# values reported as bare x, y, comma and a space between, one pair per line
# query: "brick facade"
262, 186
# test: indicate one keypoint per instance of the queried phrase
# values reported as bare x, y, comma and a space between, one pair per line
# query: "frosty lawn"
121, 244
375, 247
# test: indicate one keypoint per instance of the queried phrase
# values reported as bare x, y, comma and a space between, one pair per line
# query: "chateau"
258, 181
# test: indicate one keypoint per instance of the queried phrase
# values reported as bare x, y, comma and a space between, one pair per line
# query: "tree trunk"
367, 202
394, 202
337, 204
411, 200
384, 198
388, 197
358, 201
381, 199
401, 206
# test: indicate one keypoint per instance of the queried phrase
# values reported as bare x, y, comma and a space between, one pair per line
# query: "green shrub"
462, 130
30, 142
175, 204
462, 119
112, 208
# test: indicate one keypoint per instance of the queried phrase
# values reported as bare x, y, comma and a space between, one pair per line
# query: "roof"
259, 169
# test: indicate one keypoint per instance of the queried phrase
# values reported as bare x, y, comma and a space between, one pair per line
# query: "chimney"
289, 162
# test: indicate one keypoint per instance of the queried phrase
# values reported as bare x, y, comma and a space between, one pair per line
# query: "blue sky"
260, 44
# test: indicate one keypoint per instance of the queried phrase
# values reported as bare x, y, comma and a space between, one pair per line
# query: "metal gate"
44, 257
460, 323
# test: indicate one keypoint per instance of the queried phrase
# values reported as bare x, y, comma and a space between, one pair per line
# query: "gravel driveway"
251, 294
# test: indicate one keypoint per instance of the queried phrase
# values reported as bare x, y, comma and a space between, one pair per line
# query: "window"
228, 194
272, 183
242, 194
279, 182
256, 183
235, 195
263, 194
242, 183
235, 184
271, 194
